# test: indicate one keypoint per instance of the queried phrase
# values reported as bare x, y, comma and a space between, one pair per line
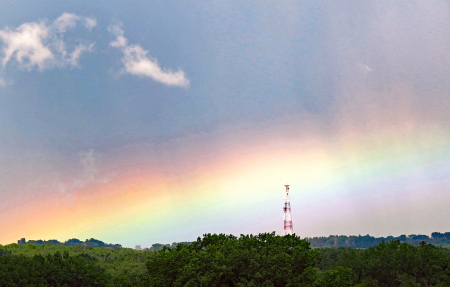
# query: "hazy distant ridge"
366, 241
354, 241
71, 242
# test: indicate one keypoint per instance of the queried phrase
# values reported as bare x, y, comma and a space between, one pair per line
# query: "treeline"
366, 241
269, 260
226, 260
159, 246
437, 238
113, 267
96, 243
71, 242
51, 270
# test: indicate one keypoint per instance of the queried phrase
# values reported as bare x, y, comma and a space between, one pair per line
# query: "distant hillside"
159, 246
366, 241
71, 242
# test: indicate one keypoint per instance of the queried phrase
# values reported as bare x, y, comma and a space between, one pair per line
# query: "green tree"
52, 270
339, 277
225, 260
395, 263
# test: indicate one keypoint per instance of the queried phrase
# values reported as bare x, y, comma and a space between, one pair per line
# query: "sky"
141, 122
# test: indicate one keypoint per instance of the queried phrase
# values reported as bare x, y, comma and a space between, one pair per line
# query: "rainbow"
342, 176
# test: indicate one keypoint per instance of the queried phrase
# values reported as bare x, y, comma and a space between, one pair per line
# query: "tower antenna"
287, 213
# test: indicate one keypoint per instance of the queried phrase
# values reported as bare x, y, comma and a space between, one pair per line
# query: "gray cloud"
136, 62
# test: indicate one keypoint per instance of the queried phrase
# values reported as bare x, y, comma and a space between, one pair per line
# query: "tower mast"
287, 213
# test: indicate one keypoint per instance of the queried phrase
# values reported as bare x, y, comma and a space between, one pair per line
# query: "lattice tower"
288, 228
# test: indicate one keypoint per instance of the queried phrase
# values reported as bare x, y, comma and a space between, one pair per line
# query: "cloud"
5, 82
364, 69
37, 44
136, 62
88, 163
67, 20
75, 55
26, 42
78, 178
90, 23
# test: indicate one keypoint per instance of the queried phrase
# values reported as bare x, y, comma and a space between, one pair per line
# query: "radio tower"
287, 214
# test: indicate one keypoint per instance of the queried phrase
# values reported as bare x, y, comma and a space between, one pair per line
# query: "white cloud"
2, 82
67, 20
136, 62
90, 23
75, 55
121, 41
37, 44
26, 42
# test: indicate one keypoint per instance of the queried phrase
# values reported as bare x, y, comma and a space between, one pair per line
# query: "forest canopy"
227, 260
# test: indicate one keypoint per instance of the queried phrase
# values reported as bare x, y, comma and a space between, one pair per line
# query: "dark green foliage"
122, 266
392, 264
332, 257
51, 270
224, 260
4, 252
339, 277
